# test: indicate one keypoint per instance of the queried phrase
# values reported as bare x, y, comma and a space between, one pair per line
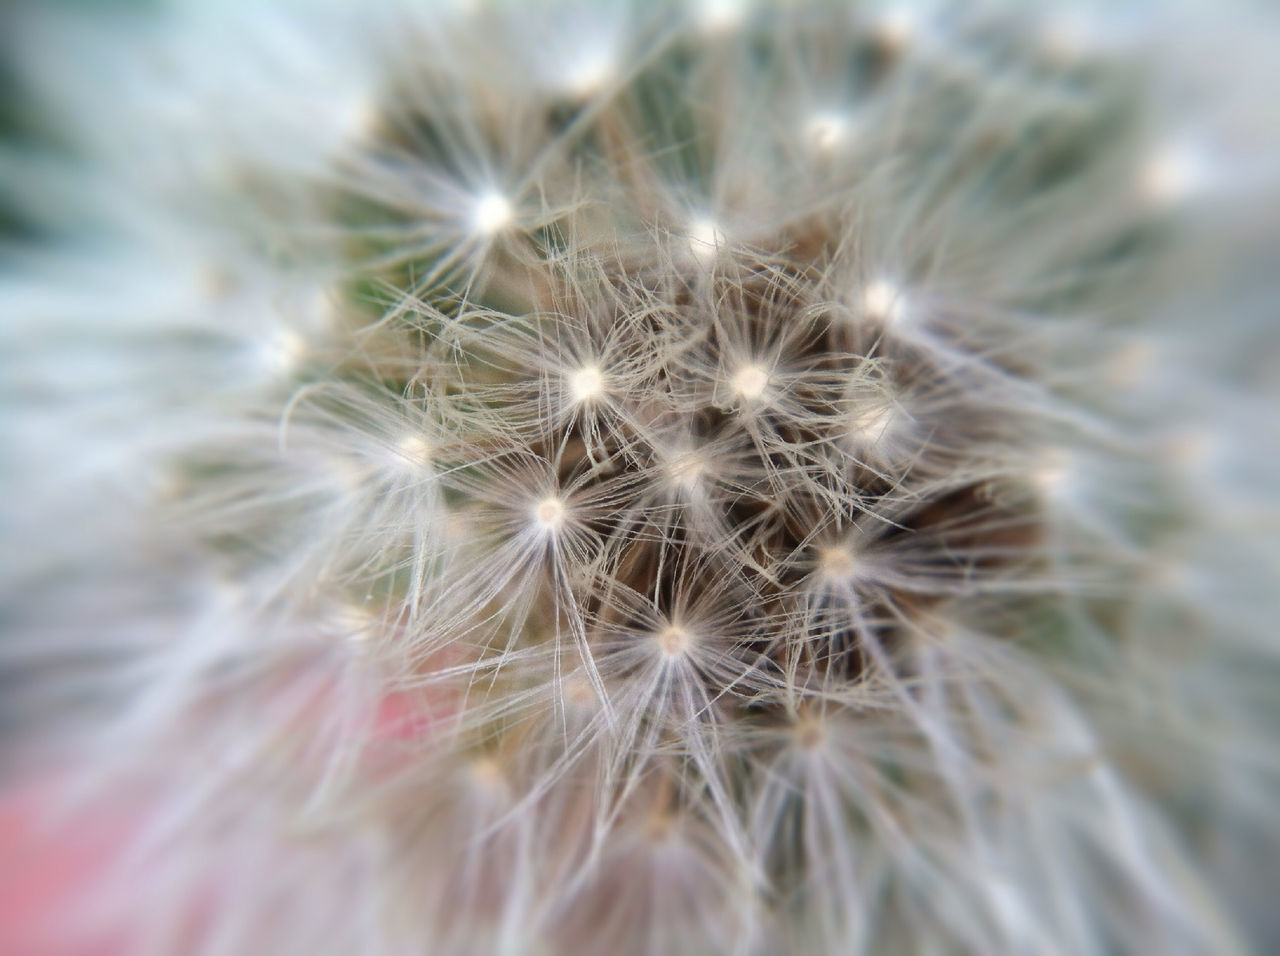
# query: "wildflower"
708, 479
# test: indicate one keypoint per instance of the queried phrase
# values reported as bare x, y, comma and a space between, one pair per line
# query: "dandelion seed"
675, 641
491, 214
284, 353
549, 513
828, 131
687, 470
414, 449
872, 426
589, 73
705, 240
1173, 174
586, 384
896, 27
810, 734
1067, 36
487, 776
357, 623
750, 382
721, 16
882, 301
837, 564
1054, 474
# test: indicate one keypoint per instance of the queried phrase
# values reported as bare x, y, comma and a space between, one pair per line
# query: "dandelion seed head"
764, 439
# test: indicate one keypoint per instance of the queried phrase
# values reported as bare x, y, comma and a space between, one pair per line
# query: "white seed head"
614, 447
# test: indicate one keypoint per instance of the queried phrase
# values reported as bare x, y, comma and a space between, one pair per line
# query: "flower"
655, 479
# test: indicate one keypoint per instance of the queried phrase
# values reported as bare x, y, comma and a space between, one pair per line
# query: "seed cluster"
634, 491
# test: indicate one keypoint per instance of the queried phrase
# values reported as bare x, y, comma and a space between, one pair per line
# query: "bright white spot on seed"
721, 16
1173, 174
414, 449
357, 117
750, 381
810, 734
586, 383
284, 352
1052, 475
549, 512
326, 307
492, 213
577, 692
827, 131
356, 623
458, 529
871, 425
882, 300
704, 240
836, 564
687, 470
1069, 35
896, 27
487, 775
589, 73
675, 641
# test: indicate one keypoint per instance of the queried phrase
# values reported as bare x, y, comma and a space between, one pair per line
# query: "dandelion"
578, 478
